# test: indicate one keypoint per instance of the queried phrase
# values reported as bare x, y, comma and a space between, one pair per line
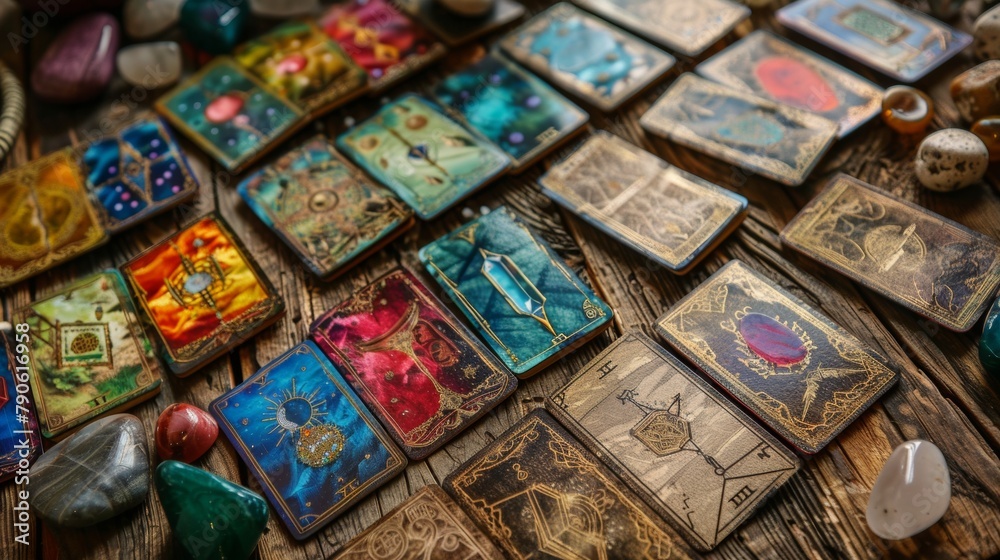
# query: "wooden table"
944, 395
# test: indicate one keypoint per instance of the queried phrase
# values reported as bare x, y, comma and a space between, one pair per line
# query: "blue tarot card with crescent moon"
528, 306
315, 449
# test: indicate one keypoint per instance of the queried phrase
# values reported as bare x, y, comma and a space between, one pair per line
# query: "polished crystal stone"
468, 8
184, 432
95, 474
986, 33
989, 343
147, 18
214, 26
212, 518
150, 65
976, 91
80, 62
951, 159
907, 110
772, 340
284, 8
988, 130
911, 492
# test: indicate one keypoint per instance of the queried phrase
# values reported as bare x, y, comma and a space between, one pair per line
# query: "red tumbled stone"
184, 432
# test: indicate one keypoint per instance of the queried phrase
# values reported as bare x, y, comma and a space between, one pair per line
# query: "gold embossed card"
921, 260
666, 214
687, 450
801, 374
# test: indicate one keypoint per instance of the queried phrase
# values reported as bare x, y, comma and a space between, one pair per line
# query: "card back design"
455, 29
89, 354
687, 451
529, 307
540, 494
413, 364
20, 439
426, 158
776, 69
585, 56
310, 443
897, 41
803, 375
680, 25
774, 140
202, 293
328, 213
663, 212
518, 112
921, 260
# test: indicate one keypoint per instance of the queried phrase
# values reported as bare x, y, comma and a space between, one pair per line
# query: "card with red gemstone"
804, 376
423, 374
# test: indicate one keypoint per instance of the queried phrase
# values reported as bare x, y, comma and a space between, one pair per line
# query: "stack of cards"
325, 210
20, 439
68, 202
922, 261
664, 213
455, 29
527, 305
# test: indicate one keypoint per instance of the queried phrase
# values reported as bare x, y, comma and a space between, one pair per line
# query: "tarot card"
429, 524
303, 65
202, 293
921, 260
20, 440
899, 42
773, 68
45, 217
138, 172
771, 139
455, 29
665, 213
422, 373
510, 107
314, 448
381, 39
325, 210
688, 451
229, 113
528, 306
426, 158
804, 376
585, 56
540, 494
684, 26
89, 355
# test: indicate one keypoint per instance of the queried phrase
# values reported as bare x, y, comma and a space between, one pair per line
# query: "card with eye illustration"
300, 63
456, 29
427, 159
774, 140
664, 213
923, 261
540, 494
326, 211
229, 113
683, 26
314, 448
801, 374
773, 68
381, 39
417, 368
89, 354
585, 56
899, 42
688, 451
20, 440
202, 292
511, 108
528, 306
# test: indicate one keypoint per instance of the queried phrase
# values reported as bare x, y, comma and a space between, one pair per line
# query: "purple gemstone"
771, 340
78, 65
516, 137
533, 101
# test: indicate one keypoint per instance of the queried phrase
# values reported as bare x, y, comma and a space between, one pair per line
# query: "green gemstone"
212, 518
989, 344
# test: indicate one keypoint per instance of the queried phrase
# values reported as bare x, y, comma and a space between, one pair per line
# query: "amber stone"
976, 92
907, 110
988, 130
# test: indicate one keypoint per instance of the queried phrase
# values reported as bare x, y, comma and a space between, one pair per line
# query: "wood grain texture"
944, 395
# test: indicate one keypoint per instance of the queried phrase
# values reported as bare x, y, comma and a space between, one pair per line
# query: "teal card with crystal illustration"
426, 158
528, 306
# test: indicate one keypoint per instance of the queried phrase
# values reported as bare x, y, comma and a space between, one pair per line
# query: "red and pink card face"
422, 373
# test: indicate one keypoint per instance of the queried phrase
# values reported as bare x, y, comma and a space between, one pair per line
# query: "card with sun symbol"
801, 374
585, 56
312, 445
230, 113
688, 451
422, 373
89, 354
427, 159
528, 306
515, 110
202, 292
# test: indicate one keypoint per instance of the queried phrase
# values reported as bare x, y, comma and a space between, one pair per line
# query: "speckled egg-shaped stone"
951, 159
911, 493
986, 31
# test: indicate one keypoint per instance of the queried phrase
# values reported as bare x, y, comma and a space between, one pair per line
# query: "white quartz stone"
911, 493
469, 8
284, 8
150, 65
951, 159
146, 18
